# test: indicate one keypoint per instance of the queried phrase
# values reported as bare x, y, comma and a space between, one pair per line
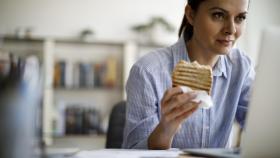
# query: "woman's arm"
175, 108
141, 110
143, 128
244, 97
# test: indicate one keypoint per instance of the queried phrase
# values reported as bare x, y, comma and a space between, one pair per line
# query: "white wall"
262, 14
112, 19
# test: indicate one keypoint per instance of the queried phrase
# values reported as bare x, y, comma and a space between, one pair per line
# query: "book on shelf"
59, 74
86, 79
75, 76
111, 72
102, 74
69, 72
62, 71
98, 73
79, 119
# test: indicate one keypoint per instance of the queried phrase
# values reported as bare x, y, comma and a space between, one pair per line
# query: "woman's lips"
225, 42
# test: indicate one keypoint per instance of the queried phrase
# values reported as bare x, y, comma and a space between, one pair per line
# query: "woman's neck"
202, 56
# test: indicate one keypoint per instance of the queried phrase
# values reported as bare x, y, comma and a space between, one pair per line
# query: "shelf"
62, 40
18, 39
91, 42
79, 136
83, 142
102, 99
87, 89
152, 45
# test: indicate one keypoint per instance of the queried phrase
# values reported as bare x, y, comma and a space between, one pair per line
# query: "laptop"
262, 135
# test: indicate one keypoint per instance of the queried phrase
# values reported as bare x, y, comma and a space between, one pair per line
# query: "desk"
129, 153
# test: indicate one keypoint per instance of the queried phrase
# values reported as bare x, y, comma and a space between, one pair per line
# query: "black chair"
116, 126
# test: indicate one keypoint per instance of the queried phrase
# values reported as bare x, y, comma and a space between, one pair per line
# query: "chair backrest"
116, 126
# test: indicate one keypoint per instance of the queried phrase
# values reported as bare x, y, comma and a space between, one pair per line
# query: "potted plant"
152, 31
86, 34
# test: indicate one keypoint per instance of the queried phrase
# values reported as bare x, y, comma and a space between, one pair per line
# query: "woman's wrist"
160, 138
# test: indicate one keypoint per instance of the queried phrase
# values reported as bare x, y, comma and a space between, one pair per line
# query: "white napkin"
206, 100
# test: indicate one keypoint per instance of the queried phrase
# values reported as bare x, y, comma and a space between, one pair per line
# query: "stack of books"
82, 120
77, 119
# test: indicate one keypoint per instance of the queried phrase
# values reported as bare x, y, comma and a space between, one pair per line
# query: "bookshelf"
71, 79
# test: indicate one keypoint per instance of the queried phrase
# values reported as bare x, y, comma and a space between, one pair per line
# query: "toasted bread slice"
193, 75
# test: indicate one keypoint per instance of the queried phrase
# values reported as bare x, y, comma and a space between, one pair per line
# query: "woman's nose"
230, 27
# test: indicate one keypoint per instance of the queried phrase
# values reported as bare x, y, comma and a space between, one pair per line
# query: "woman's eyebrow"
218, 8
223, 10
243, 13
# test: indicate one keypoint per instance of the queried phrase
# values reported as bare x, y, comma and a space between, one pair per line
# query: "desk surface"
128, 153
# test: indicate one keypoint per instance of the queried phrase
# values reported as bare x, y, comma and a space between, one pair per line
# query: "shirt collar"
220, 68
179, 51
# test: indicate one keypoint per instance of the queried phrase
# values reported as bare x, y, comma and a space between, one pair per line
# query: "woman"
160, 116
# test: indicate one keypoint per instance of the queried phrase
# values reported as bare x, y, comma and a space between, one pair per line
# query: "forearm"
159, 139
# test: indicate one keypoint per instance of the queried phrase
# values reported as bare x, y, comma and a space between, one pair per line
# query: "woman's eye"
240, 19
218, 16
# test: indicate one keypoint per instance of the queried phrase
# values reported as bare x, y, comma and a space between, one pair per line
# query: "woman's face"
218, 24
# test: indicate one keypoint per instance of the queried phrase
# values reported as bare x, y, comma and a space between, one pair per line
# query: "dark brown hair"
194, 4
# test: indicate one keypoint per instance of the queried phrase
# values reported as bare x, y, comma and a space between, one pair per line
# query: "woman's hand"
176, 106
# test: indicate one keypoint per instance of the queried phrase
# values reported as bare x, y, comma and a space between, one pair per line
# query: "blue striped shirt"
150, 77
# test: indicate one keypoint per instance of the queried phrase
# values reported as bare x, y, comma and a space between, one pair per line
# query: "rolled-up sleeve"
142, 109
244, 97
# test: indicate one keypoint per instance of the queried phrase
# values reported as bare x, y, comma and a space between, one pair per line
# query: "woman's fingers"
179, 100
186, 114
181, 110
174, 106
170, 93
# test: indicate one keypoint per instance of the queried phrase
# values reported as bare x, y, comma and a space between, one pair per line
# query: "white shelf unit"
101, 98
51, 50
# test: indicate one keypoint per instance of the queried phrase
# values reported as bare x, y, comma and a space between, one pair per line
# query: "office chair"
116, 126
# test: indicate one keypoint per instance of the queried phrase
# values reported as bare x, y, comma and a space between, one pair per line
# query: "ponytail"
186, 28
183, 24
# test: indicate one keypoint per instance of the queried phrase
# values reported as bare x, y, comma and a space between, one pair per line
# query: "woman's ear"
189, 14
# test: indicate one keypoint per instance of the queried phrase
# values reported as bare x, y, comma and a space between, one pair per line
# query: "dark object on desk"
20, 109
116, 126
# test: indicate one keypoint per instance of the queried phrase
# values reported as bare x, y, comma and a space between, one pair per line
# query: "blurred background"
86, 48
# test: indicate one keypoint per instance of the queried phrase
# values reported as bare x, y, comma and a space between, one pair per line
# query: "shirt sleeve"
142, 109
244, 97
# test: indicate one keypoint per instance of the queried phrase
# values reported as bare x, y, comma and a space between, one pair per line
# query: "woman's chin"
224, 50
